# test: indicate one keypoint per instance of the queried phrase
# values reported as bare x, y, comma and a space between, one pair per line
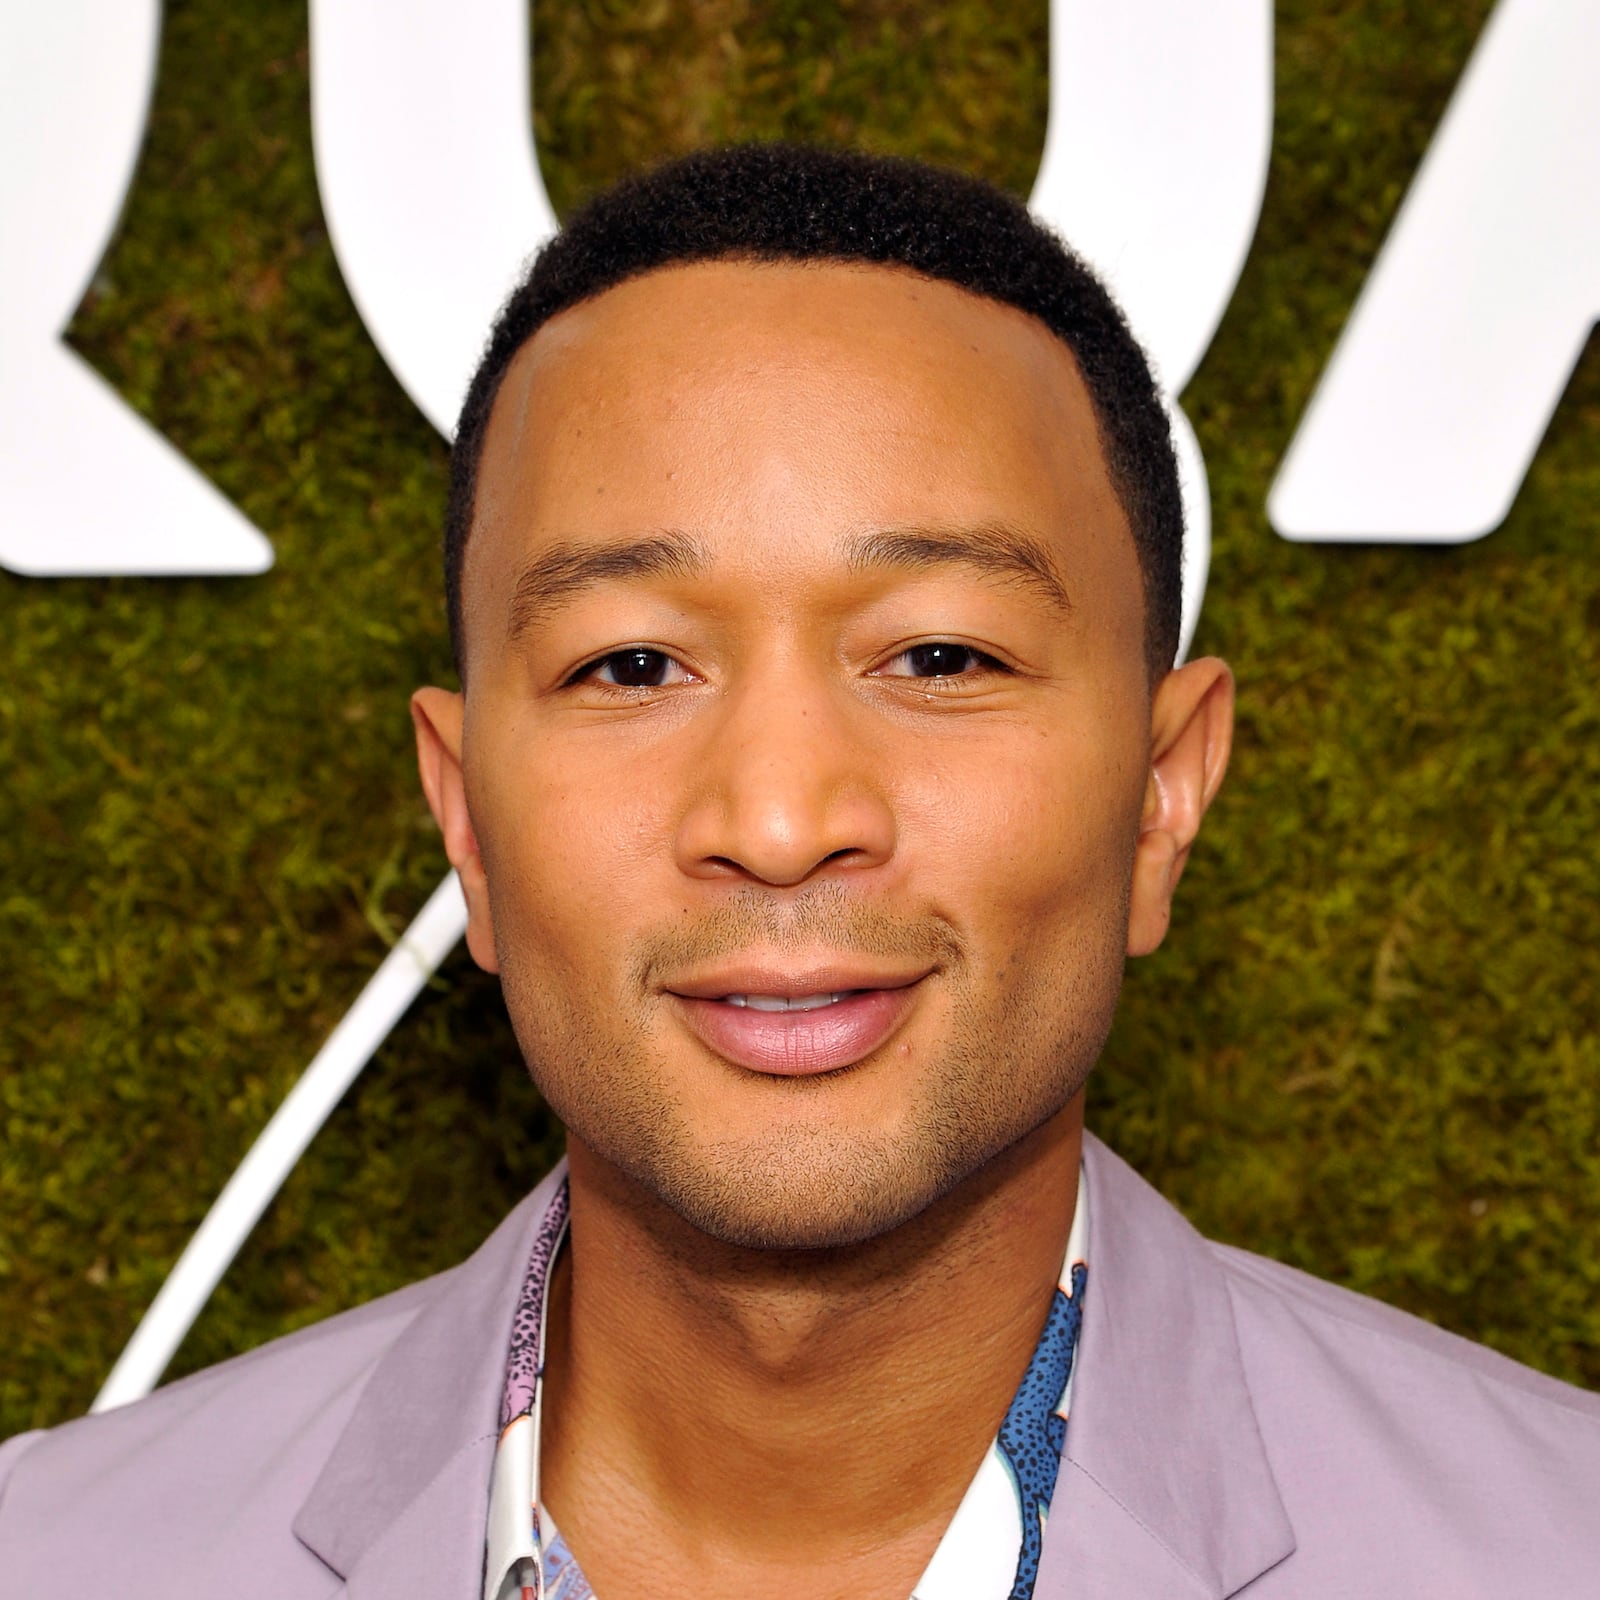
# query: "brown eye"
944, 659
941, 660
637, 667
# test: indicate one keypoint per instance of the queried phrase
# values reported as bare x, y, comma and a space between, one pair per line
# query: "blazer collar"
1165, 1486
400, 1506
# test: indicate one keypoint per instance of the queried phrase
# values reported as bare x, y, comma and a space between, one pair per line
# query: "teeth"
778, 1002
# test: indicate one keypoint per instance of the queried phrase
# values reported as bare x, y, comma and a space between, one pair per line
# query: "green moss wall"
1370, 1046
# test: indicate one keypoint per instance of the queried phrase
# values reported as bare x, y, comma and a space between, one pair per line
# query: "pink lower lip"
799, 1044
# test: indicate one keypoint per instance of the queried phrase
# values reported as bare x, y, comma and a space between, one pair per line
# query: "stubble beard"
1007, 1063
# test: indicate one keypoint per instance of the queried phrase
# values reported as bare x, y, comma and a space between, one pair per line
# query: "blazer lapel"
400, 1508
1165, 1487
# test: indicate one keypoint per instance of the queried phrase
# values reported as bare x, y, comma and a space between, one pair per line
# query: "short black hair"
786, 202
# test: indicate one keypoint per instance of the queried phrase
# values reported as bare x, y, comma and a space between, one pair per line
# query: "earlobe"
1191, 735
437, 716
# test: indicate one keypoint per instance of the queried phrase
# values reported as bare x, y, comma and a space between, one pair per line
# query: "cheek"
1026, 831
569, 846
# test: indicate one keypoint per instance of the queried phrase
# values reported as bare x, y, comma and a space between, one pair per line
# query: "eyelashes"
635, 666
645, 667
943, 658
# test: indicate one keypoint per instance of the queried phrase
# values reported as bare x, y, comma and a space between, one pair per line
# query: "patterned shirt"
991, 1549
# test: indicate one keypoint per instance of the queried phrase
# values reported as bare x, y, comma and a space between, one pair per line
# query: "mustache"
825, 914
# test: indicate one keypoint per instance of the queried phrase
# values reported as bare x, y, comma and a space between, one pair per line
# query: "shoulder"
228, 1481
1249, 1413
1426, 1444
236, 1446
1271, 1298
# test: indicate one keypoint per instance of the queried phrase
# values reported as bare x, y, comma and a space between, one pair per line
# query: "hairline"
780, 258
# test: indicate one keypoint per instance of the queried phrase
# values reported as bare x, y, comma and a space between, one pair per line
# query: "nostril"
778, 872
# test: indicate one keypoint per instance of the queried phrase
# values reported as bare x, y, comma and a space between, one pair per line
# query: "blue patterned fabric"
563, 1577
1034, 1433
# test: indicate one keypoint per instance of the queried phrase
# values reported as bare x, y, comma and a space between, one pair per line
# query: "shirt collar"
511, 1548
980, 1554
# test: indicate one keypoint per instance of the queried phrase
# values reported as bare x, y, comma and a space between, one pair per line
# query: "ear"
437, 716
1191, 733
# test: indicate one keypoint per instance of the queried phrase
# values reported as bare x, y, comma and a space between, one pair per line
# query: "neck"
805, 1404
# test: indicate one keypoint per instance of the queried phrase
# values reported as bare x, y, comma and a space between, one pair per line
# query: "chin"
808, 1192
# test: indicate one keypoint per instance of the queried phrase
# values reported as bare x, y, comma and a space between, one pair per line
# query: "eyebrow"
554, 576
996, 550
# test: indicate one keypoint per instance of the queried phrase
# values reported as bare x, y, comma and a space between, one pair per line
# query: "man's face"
805, 746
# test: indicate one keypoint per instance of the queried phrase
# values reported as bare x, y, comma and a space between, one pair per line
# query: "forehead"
767, 407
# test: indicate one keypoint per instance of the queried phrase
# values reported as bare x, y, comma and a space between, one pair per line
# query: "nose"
788, 786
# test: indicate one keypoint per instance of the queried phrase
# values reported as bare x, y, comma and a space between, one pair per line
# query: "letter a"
1443, 383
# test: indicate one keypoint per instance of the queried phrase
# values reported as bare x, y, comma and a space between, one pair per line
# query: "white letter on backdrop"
1465, 334
87, 487
1154, 165
421, 115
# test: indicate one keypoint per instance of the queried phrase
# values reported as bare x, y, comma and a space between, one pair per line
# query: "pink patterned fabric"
524, 1359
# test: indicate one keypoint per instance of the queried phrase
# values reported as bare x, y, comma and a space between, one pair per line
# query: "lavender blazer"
1235, 1425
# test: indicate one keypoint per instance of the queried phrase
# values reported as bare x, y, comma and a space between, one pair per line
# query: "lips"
799, 1028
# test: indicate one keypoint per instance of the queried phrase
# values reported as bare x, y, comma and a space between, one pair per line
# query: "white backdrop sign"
87, 487
1477, 309
1160, 125
428, 176
1155, 160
